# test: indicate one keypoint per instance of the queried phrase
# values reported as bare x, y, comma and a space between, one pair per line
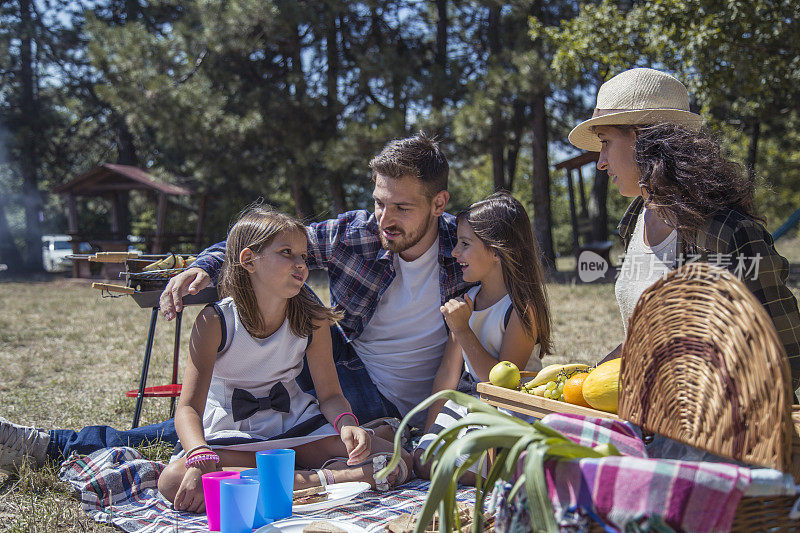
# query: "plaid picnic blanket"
631, 492
118, 486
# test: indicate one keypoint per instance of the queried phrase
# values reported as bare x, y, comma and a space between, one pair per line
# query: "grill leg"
175, 355
145, 366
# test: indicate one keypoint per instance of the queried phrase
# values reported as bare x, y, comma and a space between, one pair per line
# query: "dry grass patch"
789, 247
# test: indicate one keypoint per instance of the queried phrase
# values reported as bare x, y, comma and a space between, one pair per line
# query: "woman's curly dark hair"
688, 179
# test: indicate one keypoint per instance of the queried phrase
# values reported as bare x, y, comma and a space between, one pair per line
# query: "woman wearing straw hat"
689, 202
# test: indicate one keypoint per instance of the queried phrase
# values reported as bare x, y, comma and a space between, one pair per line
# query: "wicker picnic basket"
702, 364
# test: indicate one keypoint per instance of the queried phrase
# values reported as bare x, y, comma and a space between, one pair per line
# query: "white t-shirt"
642, 267
403, 343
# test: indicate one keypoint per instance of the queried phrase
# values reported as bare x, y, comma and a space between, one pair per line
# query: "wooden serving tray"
528, 404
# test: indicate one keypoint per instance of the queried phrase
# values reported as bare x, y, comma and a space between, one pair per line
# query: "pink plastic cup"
211, 495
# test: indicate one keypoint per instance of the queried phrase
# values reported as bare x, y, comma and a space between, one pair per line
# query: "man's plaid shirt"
731, 234
359, 269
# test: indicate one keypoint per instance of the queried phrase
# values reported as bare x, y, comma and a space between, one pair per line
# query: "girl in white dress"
504, 318
239, 392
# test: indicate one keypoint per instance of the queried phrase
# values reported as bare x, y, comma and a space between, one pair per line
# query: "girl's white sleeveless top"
256, 365
490, 327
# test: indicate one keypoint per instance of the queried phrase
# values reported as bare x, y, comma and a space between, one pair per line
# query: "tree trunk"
440, 56
497, 150
542, 221
337, 193
126, 149
598, 210
9, 253
399, 102
126, 155
298, 76
332, 78
752, 149
303, 201
497, 130
132, 11
29, 157
518, 126
335, 185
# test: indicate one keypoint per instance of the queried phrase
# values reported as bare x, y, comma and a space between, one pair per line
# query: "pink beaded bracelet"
340, 416
201, 458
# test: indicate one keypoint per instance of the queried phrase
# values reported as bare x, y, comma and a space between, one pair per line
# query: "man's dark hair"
418, 156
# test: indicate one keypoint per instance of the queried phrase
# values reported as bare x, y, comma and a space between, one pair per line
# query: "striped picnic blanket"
118, 486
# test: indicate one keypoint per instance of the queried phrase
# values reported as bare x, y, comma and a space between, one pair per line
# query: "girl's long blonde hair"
256, 228
502, 224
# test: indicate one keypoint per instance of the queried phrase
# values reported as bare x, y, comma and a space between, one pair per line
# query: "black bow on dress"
246, 405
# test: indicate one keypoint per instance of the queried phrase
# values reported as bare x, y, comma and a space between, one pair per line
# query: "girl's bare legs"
314, 454
170, 479
423, 470
308, 456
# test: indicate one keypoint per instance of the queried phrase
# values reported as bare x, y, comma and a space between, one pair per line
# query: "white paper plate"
338, 493
296, 525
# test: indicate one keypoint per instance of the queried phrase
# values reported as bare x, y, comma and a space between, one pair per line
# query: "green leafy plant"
510, 437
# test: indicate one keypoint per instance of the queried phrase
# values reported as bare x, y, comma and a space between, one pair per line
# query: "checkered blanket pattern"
118, 486
631, 492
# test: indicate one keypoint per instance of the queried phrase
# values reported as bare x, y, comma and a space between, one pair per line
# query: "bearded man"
389, 272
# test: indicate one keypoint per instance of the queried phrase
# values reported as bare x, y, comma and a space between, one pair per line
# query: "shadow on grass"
33, 277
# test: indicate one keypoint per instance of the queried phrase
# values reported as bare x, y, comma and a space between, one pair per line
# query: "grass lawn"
67, 356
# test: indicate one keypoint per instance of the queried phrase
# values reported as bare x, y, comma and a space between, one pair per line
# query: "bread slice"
314, 498
321, 526
405, 523
311, 491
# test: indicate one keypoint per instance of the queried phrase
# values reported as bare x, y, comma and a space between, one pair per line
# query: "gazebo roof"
578, 161
109, 177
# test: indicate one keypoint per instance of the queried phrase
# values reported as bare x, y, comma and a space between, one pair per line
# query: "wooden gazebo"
581, 222
115, 182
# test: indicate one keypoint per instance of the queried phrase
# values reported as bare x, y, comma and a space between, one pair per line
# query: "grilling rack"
145, 288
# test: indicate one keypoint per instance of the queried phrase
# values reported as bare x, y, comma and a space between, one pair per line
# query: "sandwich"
309, 495
321, 526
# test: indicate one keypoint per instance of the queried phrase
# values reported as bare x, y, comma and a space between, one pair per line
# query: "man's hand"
190, 281
358, 443
457, 312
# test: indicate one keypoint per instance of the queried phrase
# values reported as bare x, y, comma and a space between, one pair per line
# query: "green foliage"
489, 430
288, 101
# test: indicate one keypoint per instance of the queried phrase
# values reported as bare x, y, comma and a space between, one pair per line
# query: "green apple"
505, 374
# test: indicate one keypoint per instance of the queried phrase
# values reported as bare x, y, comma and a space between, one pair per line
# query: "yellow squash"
601, 387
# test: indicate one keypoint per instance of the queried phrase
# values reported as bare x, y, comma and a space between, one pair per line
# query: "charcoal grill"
145, 288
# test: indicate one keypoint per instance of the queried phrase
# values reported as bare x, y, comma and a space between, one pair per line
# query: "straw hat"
634, 97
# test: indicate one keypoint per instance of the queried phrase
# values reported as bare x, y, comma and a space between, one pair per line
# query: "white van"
55, 249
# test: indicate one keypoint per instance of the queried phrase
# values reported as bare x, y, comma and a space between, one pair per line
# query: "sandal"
393, 423
379, 461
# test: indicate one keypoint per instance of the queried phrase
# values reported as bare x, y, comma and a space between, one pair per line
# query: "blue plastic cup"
276, 475
237, 505
261, 517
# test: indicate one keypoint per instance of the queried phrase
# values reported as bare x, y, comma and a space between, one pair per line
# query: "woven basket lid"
702, 364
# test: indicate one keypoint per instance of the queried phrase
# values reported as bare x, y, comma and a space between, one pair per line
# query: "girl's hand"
358, 443
190, 494
457, 312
